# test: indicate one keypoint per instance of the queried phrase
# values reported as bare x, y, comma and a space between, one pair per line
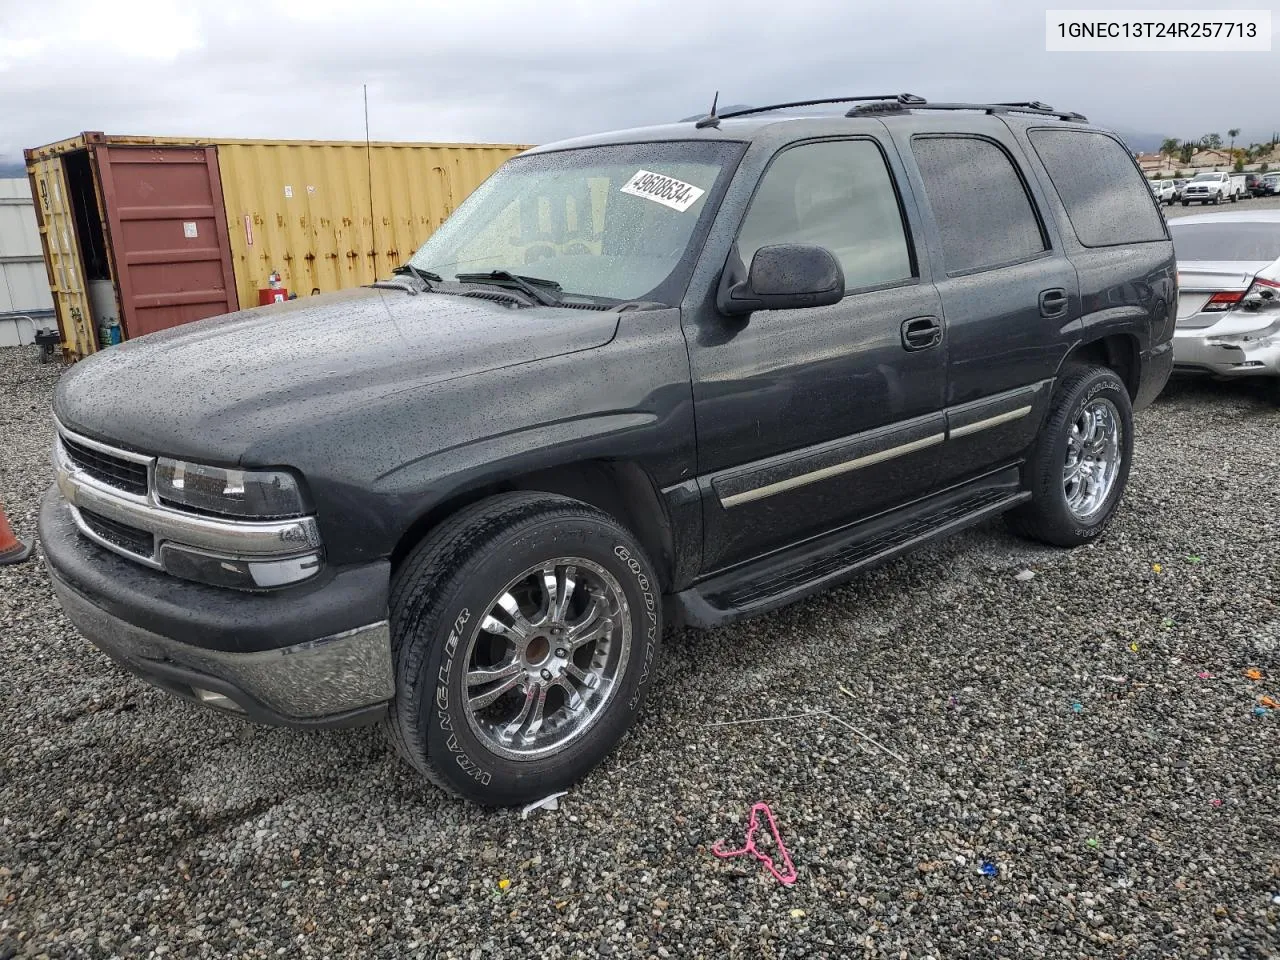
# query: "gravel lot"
1090, 733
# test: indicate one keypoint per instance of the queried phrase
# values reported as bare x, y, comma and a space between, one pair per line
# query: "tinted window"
1225, 241
837, 195
1097, 181
979, 201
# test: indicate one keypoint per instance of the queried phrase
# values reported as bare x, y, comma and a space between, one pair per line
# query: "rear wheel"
1079, 467
524, 632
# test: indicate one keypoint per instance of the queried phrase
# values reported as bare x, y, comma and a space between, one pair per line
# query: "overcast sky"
530, 72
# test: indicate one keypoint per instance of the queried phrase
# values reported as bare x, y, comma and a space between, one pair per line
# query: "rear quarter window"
1106, 200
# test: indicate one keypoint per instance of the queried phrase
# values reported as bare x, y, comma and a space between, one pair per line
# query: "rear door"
1009, 294
168, 231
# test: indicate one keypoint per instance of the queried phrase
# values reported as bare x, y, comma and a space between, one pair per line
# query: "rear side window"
836, 194
979, 201
1099, 186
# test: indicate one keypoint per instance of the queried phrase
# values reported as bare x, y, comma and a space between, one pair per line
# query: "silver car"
1228, 293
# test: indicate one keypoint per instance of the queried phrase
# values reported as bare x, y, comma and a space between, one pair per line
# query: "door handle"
921, 333
1053, 302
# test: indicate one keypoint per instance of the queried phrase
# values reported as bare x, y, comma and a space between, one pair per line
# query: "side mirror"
785, 276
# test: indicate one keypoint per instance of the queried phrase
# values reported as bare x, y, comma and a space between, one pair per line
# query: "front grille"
121, 534
116, 471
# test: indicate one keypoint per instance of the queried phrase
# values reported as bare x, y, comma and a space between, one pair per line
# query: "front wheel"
1080, 464
524, 633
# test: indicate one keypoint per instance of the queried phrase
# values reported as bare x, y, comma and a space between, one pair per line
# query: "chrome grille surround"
245, 540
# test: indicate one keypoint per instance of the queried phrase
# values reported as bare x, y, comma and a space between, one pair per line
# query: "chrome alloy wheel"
1093, 458
545, 659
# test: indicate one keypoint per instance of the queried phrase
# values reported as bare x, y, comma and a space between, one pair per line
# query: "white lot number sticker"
667, 191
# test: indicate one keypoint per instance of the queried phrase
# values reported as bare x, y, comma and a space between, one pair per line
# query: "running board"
800, 571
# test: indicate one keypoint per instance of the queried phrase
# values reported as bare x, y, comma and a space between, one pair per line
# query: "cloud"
503, 71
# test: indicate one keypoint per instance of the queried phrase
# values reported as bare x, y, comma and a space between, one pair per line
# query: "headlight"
256, 494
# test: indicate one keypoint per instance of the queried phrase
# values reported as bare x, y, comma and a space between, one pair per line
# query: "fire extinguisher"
273, 293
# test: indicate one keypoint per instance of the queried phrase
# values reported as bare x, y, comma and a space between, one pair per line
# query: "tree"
1169, 146
1186, 151
1263, 168
1232, 133
1211, 141
1239, 165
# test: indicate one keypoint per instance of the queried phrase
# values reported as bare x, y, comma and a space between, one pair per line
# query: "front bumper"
1212, 350
314, 655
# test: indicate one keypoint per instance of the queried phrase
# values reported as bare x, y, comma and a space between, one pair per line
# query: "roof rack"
901, 102
900, 97
1033, 107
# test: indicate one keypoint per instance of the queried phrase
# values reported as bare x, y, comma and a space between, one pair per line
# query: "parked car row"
1215, 187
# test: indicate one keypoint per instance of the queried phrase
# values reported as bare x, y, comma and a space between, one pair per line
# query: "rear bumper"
316, 655
1256, 354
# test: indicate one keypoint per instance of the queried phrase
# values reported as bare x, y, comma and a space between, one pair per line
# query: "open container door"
168, 234
56, 218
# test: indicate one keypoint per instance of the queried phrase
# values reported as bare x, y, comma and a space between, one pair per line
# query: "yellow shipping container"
178, 229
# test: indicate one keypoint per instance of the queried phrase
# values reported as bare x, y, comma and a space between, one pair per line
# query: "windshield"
1226, 241
611, 222
1207, 176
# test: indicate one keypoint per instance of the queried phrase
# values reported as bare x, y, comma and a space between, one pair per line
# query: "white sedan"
1228, 294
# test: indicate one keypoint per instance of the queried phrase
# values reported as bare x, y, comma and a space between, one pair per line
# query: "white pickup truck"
1209, 188
1163, 191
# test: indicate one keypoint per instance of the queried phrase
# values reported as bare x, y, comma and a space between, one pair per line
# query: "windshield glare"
1206, 176
604, 222
1226, 241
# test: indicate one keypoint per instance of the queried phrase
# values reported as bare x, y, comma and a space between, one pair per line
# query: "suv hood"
212, 387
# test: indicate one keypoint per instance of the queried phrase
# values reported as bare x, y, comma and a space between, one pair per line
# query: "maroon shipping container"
169, 234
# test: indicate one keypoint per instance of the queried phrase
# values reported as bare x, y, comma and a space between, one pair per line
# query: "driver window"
838, 195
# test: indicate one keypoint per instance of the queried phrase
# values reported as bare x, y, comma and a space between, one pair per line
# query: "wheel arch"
1119, 352
621, 488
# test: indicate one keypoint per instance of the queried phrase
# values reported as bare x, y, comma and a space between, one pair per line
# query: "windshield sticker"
667, 191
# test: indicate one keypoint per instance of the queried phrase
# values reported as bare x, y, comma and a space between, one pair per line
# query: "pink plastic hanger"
788, 877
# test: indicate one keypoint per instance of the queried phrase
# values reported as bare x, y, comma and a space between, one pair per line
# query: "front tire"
524, 632
1079, 467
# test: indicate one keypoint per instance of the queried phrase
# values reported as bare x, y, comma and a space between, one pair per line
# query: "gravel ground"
1256, 203
1064, 765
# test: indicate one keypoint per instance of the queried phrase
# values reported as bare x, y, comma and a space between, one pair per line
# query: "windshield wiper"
527, 285
426, 276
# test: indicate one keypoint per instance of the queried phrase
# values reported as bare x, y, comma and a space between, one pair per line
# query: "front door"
813, 418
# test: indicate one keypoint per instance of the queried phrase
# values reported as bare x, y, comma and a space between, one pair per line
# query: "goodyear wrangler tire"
1080, 465
525, 632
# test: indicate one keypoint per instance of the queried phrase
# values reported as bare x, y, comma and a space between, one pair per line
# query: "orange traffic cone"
12, 550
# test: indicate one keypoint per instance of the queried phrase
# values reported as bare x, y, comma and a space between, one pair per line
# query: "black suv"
663, 377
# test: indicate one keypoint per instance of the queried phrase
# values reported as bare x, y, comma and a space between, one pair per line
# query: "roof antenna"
710, 120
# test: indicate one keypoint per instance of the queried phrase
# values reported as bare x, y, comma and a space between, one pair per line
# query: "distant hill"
1137, 142
12, 168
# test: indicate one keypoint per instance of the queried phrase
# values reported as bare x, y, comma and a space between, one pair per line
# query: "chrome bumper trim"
330, 675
